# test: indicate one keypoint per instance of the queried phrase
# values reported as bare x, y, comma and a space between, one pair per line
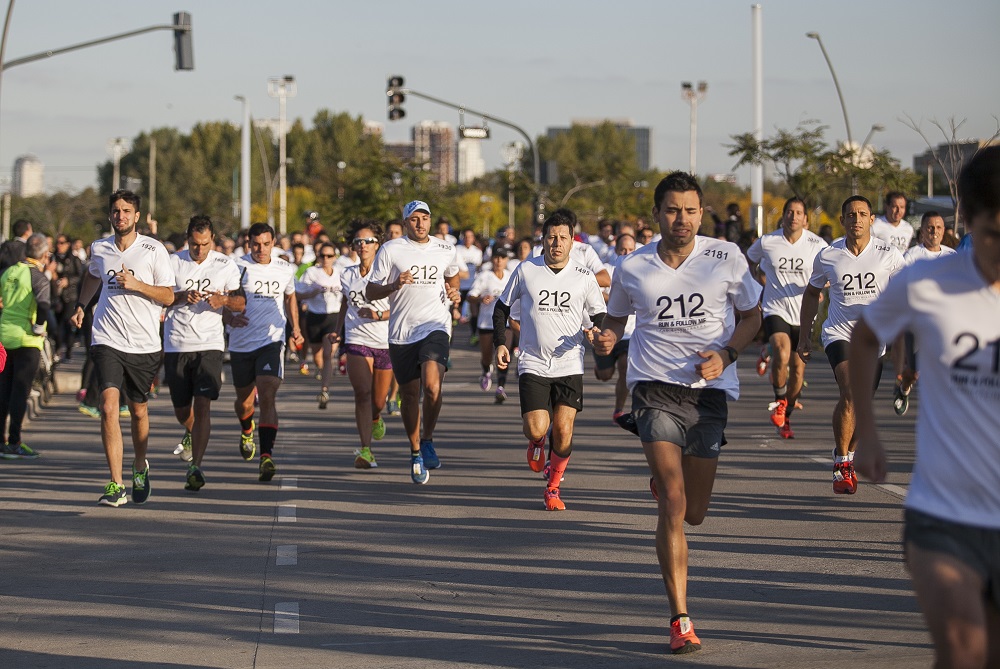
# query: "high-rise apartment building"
470, 160
434, 148
29, 176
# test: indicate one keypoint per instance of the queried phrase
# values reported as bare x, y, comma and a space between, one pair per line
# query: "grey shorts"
693, 418
976, 547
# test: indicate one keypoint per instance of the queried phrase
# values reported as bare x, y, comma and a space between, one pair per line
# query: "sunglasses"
366, 240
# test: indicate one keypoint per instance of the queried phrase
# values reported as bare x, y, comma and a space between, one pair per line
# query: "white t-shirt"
126, 320
471, 258
327, 301
611, 267
265, 287
855, 281
955, 319
787, 267
488, 283
343, 262
198, 327
605, 251
422, 307
357, 330
552, 309
679, 312
920, 252
898, 235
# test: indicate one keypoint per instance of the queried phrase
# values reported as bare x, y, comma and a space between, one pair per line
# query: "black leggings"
15, 387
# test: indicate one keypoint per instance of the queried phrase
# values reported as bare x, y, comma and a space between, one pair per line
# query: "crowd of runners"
670, 314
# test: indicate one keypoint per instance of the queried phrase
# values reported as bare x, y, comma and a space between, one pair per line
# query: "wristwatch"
733, 354
379, 314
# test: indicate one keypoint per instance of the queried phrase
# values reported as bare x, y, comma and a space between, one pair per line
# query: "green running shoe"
23, 452
378, 429
195, 479
247, 446
114, 495
267, 468
364, 459
88, 410
183, 450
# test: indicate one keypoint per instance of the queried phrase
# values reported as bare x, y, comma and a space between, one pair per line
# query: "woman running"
320, 293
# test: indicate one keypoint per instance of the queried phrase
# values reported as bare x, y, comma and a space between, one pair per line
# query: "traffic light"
394, 98
183, 42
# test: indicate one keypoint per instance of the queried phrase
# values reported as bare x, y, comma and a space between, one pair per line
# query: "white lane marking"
286, 513
366, 643
286, 618
287, 555
289, 483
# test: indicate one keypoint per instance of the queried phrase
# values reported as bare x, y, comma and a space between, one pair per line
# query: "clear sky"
537, 63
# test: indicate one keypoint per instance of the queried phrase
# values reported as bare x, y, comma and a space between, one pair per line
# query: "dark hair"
790, 201
258, 229
855, 198
300, 246
200, 223
127, 195
21, 226
561, 216
929, 215
361, 223
979, 184
893, 195
678, 182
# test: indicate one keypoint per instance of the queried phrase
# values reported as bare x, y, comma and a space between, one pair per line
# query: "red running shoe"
845, 481
763, 361
778, 409
785, 431
552, 500
682, 637
536, 455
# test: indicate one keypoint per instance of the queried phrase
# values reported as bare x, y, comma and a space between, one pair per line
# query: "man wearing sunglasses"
420, 276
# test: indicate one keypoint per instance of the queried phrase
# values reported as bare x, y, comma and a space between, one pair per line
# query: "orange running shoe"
785, 431
682, 637
845, 481
652, 488
763, 360
778, 409
552, 500
536, 455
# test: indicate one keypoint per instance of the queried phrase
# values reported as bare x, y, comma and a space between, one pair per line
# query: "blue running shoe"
418, 472
430, 457
140, 484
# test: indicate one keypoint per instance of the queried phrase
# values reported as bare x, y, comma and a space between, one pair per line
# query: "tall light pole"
511, 154
244, 165
843, 107
694, 96
876, 127
282, 88
118, 147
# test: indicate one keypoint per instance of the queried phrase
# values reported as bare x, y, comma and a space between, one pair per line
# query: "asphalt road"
328, 566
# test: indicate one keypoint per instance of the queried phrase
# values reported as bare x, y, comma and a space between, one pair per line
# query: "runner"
891, 226
785, 259
419, 275
686, 292
137, 281
366, 341
857, 267
555, 294
606, 365
487, 288
206, 282
951, 532
256, 340
320, 293
393, 230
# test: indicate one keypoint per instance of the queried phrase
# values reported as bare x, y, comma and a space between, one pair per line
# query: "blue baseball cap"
416, 205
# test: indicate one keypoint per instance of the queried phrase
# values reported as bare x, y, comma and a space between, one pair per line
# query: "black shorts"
608, 361
775, 324
693, 418
407, 358
264, 361
976, 547
132, 372
539, 393
318, 325
193, 374
836, 353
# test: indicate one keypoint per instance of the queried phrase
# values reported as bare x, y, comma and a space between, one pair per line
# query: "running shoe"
154, 390
626, 421
547, 469
652, 489
267, 468
140, 484
778, 409
552, 500
195, 478
183, 450
392, 406
123, 411
785, 431
682, 637
900, 400
501, 396
536, 455
18, 452
418, 472
304, 369
342, 364
88, 410
364, 459
845, 481
81, 394
378, 429
763, 360
114, 495
474, 340
247, 446
324, 398
486, 382
427, 452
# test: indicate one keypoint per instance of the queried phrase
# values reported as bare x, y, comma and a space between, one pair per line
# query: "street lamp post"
282, 88
694, 96
843, 107
876, 127
511, 154
245, 165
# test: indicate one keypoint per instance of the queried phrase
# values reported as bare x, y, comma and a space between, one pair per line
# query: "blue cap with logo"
416, 205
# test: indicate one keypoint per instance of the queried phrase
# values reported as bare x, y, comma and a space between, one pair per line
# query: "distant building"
434, 148
641, 135
29, 176
924, 163
470, 160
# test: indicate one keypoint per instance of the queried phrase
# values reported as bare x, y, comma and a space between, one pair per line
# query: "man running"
951, 531
891, 227
555, 293
419, 275
488, 286
206, 282
606, 365
686, 292
256, 341
785, 259
857, 267
138, 282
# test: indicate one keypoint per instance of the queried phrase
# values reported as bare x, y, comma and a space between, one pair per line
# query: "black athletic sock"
246, 423
678, 617
268, 433
502, 378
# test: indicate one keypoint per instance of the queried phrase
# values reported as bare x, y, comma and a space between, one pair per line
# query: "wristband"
733, 353
79, 305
